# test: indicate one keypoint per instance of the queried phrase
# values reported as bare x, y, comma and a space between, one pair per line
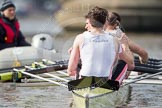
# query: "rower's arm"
126, 54
117, 49
74, 57
138, 50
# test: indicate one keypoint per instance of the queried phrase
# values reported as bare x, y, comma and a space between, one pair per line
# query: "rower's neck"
109, 28
97, 31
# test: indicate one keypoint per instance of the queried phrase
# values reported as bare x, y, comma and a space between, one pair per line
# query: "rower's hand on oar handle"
142, 61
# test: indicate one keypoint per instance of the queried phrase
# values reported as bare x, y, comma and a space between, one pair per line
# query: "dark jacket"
18, 40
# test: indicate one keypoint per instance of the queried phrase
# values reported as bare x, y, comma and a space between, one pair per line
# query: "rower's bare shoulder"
79, 37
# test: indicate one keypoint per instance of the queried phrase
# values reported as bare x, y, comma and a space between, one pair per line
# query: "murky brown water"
34, 97
145, 96
142, 96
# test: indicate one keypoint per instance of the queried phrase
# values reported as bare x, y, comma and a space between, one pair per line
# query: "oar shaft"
139, 76
63, 73
149, 76
51, 75
35, 76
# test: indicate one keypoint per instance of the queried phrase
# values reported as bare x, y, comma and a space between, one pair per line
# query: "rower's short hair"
114, 18
97, 16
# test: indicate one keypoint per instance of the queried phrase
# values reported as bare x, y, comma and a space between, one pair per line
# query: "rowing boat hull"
100, 97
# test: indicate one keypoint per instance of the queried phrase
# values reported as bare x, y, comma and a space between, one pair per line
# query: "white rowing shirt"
97, 55
116, 33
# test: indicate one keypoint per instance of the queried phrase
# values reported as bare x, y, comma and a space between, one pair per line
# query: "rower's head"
113, 20
8, 9
96, 18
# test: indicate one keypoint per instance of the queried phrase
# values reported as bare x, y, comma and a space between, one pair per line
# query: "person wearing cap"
10, 34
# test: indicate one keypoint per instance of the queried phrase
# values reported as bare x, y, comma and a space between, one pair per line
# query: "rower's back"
96, 48
97, 54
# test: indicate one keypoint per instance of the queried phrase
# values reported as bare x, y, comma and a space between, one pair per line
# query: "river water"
142, 95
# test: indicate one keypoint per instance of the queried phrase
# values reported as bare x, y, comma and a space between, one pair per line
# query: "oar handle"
149, 65
149, 59
152, 63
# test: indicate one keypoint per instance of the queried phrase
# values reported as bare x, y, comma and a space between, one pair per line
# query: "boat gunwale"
91, 97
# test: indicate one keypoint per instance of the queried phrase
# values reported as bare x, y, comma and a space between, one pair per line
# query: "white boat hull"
26, 55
